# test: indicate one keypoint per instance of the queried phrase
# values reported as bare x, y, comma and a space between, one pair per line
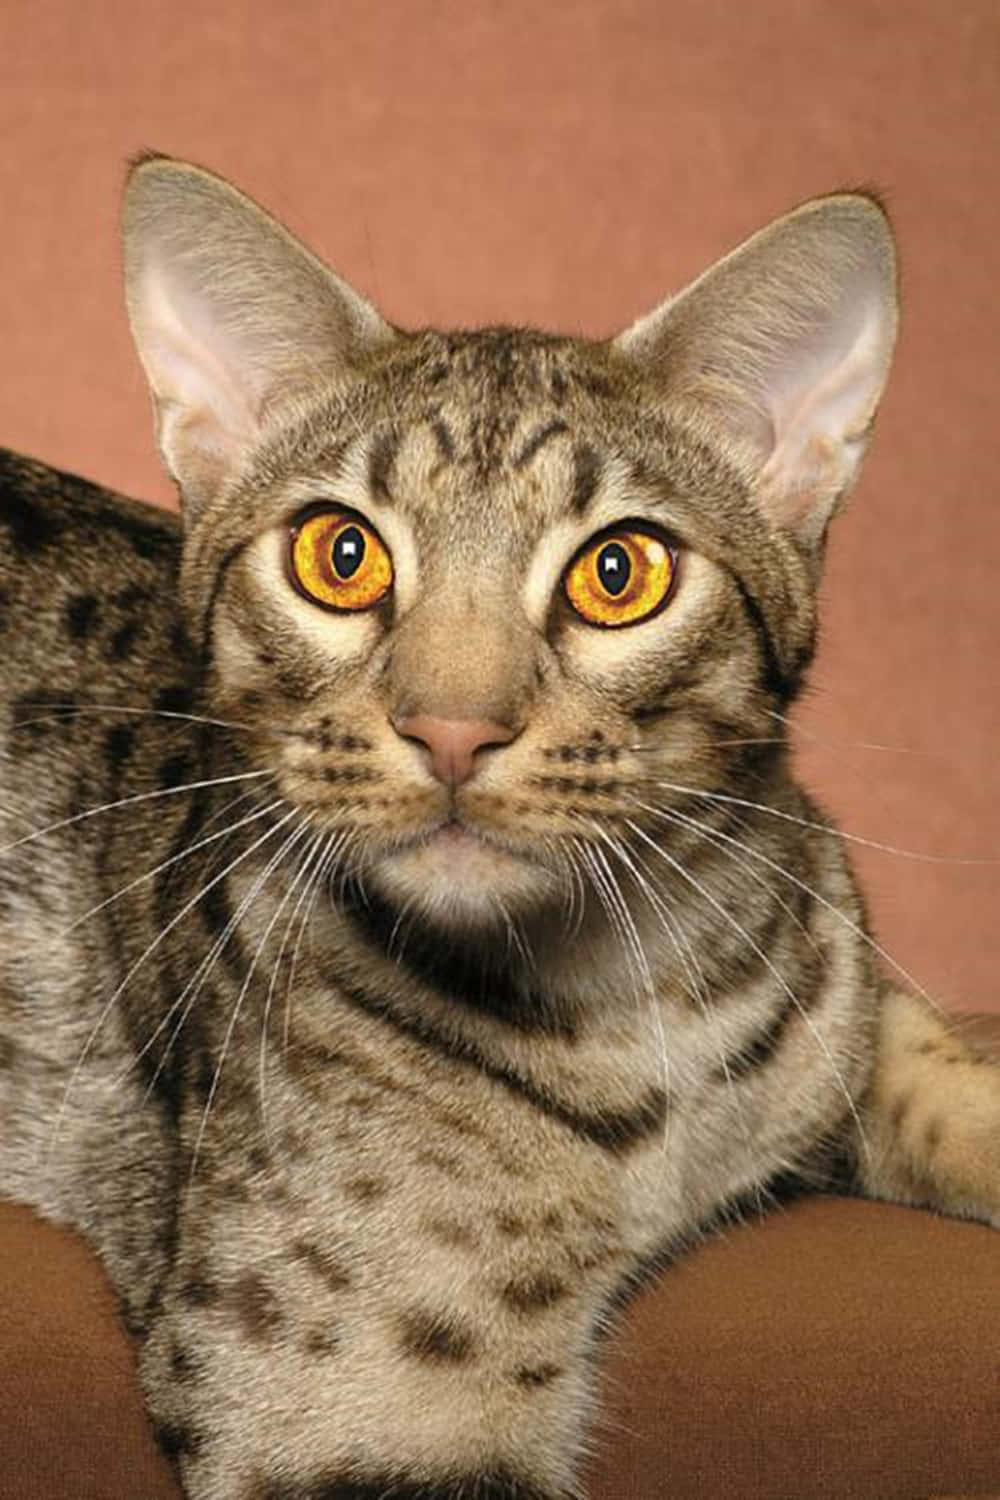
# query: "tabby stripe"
444, 440
208, 620
381, 459
586, 477
806, 987
776, 679
613, 1130
538, 440
759, 1049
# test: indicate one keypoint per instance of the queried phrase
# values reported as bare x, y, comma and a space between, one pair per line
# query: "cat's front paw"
932, 1118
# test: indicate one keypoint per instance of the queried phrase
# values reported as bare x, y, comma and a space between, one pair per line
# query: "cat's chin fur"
459, 880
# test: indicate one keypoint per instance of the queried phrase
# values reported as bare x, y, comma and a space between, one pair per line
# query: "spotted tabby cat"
411, 931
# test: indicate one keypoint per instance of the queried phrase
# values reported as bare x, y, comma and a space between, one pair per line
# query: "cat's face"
515, 566
490, 604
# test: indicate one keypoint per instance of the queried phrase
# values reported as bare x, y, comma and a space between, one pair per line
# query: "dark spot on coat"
256, 1307
182, 1366
530, 1294
436, 1337
320, 1343
173, 771
81, 615
510, 1224
441, 1161
175, 1439
365, 1189
176, 699
118, 746
322, 1263
32, 526
899, 1111
123, 639
200, 1289
534, 1376
451, 1232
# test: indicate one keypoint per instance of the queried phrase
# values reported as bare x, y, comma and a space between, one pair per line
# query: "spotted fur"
375, 1092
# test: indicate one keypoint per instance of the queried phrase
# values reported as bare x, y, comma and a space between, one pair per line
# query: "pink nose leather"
453, 743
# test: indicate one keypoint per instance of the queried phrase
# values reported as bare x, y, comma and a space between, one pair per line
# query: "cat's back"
88, 631
89, 636
88, 581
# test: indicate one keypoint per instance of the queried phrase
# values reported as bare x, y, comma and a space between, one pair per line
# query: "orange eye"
338, 560
620, 578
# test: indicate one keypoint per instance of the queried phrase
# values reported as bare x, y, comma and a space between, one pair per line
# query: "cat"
412, 934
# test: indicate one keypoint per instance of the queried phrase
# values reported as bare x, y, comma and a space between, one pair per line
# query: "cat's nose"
453, 743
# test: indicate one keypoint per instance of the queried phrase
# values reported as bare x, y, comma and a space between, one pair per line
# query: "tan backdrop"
568, 164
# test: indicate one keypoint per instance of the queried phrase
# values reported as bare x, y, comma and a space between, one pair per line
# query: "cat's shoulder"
45, 511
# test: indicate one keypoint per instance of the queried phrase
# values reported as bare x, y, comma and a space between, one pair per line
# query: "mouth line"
455, 832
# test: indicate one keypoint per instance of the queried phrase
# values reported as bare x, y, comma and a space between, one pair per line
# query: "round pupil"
613, 567
348, 552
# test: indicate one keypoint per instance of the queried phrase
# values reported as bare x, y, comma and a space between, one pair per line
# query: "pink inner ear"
823, 399
230, 315
783, 349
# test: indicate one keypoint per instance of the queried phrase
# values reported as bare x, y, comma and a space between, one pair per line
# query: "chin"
459, 882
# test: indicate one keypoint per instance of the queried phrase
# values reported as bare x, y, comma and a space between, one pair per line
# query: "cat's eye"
621, 577
339, 561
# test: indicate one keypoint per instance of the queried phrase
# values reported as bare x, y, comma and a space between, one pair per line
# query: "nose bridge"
473, 658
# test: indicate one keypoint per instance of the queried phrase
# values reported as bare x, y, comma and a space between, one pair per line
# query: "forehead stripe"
381, 460
538, 440
586, 477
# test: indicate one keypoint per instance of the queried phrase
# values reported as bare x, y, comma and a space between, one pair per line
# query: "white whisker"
289, 843
116, 994
771, 967
93, 812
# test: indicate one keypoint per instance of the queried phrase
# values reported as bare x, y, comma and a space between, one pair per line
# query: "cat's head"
485, 598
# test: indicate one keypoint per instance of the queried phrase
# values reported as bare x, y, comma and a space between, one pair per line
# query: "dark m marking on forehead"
381, 460
586, 477
444, 439
537, 440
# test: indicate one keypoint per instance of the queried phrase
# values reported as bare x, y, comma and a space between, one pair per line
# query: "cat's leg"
931, 1117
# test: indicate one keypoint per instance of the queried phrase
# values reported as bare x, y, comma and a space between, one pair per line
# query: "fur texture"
385, 990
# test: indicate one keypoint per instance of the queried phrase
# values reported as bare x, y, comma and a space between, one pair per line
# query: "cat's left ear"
232, 317
782, 350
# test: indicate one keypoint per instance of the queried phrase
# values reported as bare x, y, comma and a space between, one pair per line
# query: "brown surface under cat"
411, 932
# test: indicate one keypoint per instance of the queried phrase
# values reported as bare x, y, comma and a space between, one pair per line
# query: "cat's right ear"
231, 316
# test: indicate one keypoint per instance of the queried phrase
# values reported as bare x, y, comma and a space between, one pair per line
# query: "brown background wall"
569, 164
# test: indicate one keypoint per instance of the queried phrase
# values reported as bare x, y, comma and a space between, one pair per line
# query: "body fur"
374, 1118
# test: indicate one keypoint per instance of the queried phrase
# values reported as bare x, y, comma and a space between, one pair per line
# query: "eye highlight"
336, 559
621, 577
